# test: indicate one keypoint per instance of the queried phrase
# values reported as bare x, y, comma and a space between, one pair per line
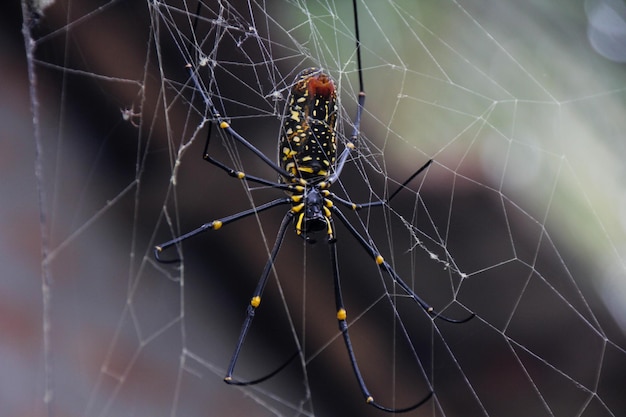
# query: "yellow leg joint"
369, 399
379, 259
299, 224
217, 225
342, 314
224, 125
255, 302
329, 228
240, 175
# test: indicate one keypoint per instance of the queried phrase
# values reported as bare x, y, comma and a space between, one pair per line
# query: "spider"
308, 166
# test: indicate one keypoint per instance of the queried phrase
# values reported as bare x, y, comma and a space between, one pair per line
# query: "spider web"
519, 219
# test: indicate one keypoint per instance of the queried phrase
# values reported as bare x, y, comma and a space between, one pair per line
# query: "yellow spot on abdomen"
288, 152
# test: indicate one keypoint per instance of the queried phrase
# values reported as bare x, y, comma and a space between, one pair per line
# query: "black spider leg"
384, 265
356, 131
224, 125
239, 174
343, 328
360, 105
215, 225
353, 140
358, 206
255, 301
351, 144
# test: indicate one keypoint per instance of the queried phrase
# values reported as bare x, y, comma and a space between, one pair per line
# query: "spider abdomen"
307, 147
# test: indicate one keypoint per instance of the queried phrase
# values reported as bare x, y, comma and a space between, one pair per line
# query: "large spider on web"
308, 166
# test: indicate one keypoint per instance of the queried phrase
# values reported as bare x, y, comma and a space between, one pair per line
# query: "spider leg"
356, 131
350, 145
408, 180
387, 268
358, 206
238, 174
255, 301
343, 328
214, 225
224, 125
354, 137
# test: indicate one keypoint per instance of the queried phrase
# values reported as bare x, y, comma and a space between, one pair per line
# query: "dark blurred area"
130, 336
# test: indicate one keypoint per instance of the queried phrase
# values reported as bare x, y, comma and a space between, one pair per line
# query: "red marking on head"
321, 85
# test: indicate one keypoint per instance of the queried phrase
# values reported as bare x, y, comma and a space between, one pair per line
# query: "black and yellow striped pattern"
308, 146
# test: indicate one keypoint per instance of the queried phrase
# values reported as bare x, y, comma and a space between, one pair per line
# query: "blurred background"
521, 106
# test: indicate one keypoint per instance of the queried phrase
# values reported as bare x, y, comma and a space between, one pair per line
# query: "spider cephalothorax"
312, 210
